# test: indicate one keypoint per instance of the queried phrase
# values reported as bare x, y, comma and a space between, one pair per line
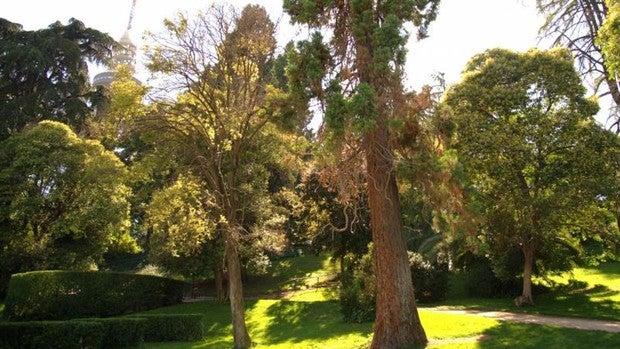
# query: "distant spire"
133, 10
125, 55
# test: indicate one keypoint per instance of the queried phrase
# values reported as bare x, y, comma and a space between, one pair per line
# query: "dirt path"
582, 324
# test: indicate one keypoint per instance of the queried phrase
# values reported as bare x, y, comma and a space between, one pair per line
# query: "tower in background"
125, 55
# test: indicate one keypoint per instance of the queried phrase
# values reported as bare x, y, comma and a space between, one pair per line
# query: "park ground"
296, 307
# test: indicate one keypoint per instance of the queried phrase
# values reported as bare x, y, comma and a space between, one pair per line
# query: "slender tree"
357, 77
223, 126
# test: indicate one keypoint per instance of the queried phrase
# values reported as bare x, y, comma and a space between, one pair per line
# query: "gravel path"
582, 324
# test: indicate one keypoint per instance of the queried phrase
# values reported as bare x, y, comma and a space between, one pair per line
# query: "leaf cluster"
44, 74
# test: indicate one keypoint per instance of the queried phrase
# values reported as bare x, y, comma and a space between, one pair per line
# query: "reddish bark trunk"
397, 323
240, 333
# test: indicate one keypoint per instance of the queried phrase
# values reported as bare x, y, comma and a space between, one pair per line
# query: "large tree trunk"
397, 323
240, 333
528, 267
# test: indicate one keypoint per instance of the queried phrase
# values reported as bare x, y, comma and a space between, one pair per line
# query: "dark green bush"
358, 292
51, 334
120, 332
430, 279
480, 281
172, 327
59, 295
356, 305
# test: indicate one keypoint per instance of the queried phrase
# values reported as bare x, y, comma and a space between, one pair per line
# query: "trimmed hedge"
120, 332
51, 334
60, 295
104, 333
172, 327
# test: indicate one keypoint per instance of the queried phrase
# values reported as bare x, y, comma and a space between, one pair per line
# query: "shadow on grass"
288, 274
308, 321
513, 335
577, 300
593, 302
611, 269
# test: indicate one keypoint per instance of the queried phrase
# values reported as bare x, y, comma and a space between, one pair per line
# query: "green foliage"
430, 278
105, 333
358, 292
481, 281
608, 35
64, 201
535, 158
182, 222
118, 332
171, 327
44, 74
363, 108
327, 224
53, 295
51, 334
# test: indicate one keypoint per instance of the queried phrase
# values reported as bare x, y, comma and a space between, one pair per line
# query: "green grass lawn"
311, 318
593, 293
280, 324
296, 273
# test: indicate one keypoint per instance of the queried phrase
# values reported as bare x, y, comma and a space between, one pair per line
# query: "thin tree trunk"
397, 323
220, 291
528, 267
240, 333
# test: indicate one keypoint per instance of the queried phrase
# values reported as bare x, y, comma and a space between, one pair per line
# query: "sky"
462, 29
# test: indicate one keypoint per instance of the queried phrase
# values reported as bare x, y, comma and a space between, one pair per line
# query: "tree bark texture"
240, 333
220, 290
528, 267
397, 323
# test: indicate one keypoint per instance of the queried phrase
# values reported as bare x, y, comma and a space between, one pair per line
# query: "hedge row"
61, 295
172, 327
125, 332
51, 334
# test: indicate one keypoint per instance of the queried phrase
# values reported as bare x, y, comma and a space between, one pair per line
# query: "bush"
120, 332
480, 281
51, 334
59, 295
172, 327
358, 292
430, 279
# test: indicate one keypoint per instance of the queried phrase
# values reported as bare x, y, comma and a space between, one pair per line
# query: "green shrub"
480, 281
59, 295
172, 327
358, 292
430, 279
120, 332
51, 334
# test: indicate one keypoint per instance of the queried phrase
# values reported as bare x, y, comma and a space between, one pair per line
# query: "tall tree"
63, 200
357, 76
575, 24
223, 125
44, 74
536, 158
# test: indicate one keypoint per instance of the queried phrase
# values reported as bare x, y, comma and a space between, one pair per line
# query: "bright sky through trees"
462, 29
